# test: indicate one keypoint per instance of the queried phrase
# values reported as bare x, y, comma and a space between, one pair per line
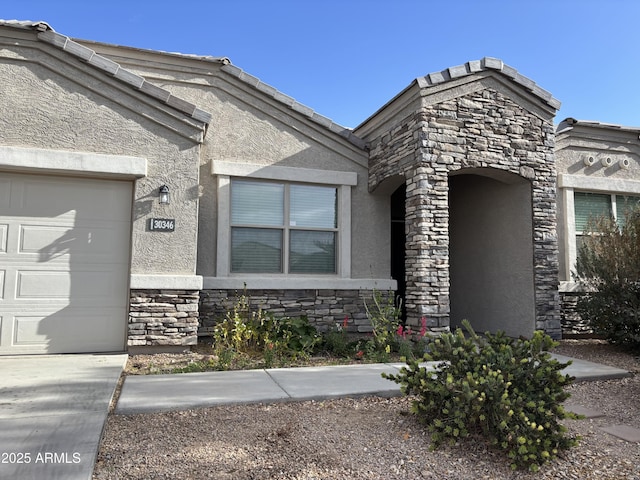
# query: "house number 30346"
162, 224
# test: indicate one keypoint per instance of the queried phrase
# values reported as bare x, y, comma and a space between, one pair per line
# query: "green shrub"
336, 342
608, 269
509, 390
254, 333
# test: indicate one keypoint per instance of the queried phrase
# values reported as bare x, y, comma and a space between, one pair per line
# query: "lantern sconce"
164, 195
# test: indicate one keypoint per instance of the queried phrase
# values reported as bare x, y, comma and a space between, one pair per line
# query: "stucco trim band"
293, 174
166, 282
604, 184
299, 283
78, 163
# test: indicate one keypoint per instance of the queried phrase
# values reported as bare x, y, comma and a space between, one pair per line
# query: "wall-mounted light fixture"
165, 196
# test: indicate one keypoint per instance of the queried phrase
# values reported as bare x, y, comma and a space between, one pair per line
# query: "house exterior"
598, 173
445, 196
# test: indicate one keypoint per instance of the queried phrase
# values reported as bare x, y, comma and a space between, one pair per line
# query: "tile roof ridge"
293, 104
484, 64
48, 35
27, 24
569, 122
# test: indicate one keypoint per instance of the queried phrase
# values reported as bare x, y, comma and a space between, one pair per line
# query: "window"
283, 227
593, 205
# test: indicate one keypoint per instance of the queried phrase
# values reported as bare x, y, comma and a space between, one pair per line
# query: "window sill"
298, 283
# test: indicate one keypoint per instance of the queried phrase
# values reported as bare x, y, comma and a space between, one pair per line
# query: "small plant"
509, 390
250, 334
384, 317
336, 342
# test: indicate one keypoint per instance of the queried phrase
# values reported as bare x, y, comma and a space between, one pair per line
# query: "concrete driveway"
52, 412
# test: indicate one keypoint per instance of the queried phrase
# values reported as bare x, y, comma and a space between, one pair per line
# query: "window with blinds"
625, 203
277, 227
593, 205
590, 206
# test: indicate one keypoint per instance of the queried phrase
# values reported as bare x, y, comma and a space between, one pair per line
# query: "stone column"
427, 248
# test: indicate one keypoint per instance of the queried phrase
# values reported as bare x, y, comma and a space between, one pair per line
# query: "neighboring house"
445, 196
598, 174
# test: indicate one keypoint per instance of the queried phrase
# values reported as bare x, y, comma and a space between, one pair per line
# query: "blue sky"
347, 58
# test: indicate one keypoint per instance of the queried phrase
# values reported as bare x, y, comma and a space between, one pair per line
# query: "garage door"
64, 264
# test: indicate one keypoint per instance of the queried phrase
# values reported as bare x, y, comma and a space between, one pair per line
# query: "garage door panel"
44, 333
44, 240
84, 200
77, 286
43, 284
49, 242
26, 330
64, 257
5, 193
4, 232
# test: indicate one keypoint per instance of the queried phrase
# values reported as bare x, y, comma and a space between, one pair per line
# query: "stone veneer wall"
163, 318
484, 129
572, 323
324, 308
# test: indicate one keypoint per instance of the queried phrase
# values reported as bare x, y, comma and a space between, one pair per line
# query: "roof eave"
46, 34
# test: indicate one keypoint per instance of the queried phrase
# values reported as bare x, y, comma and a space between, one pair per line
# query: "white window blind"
313, 206
256, 203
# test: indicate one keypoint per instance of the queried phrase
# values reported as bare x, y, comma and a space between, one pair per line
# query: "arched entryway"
491, 251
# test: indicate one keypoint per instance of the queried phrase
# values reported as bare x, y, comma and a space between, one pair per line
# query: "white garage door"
64, 264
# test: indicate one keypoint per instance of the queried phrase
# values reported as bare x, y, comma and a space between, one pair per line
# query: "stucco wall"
249, 127
52, 101
491, 254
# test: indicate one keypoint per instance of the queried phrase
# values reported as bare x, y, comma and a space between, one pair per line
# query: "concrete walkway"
157, 393
53, 408
52, 413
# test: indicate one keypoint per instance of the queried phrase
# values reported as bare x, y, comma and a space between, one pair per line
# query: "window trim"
343, 181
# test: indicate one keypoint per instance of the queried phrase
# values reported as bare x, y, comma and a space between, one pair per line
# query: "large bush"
608, 269
509, 390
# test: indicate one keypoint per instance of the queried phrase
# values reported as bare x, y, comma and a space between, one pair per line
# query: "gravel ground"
365, 438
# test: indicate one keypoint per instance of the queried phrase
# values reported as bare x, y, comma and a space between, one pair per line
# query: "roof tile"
129, 77
458, 71
180, 104
487, 63
53, 38
494, 63
437, 77
78, 50
475, 66
155, 91
104, 63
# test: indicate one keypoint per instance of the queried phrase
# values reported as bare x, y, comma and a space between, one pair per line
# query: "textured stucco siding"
250, 128
54, 102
